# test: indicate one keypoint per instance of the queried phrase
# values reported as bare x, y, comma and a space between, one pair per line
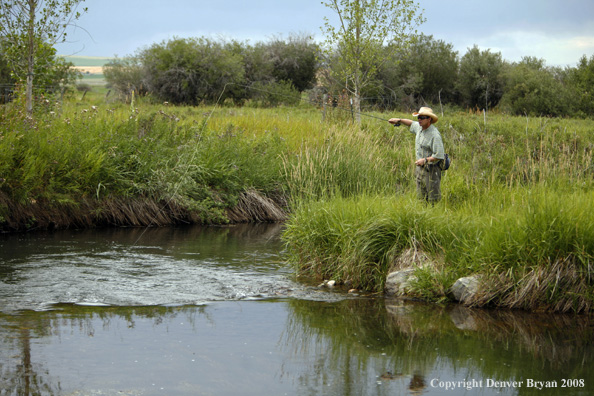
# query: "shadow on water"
215, 311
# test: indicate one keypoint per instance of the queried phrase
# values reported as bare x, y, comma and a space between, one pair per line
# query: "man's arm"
400, 120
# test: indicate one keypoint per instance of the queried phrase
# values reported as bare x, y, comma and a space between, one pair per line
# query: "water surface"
216, 311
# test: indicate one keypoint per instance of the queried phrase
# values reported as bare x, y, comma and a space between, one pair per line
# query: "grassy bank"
534, 252
86, 165
515, 207
516, 212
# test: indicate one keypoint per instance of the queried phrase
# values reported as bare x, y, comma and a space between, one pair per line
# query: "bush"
191, 71
273, 94
533, 89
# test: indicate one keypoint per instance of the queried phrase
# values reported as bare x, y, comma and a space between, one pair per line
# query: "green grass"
165, 155
516, 211
515, 208
358, 240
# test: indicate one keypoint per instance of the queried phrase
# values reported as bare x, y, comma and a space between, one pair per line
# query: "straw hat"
427, 112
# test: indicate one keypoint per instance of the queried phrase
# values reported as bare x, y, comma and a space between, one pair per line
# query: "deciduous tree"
582, 82
534, 89
366, 33
480, 80
424, 74
27, 28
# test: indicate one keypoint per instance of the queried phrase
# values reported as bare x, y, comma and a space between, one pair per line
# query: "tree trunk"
357, 80
357, 106
30, 56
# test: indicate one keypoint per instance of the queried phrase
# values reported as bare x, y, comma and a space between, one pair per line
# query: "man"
429, 153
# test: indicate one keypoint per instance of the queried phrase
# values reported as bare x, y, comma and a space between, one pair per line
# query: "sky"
558, 31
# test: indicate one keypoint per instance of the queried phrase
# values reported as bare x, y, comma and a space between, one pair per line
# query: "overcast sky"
558, 31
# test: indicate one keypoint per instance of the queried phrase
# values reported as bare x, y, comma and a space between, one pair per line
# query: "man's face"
424, 121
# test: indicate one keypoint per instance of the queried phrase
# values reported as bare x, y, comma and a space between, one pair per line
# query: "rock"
464, 289
328, 283
398, 282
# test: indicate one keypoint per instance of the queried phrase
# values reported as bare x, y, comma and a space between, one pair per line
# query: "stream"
216, 311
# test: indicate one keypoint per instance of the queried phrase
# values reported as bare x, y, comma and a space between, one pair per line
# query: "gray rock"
398, 282
464, 289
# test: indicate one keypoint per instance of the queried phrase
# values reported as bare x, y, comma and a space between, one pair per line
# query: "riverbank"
514, 209
533, 252
88, 165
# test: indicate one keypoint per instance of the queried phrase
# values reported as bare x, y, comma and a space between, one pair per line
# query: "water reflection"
215, 311
290, 346
412, 348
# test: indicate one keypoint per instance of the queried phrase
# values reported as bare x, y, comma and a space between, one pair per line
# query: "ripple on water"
122, 275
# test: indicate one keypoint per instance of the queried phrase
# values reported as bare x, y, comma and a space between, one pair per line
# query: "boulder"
464, 289
398, 282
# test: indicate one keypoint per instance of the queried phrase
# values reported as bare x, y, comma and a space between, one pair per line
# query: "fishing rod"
312, 102
217, 105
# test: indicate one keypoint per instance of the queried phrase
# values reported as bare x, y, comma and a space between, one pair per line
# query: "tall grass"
516, 211
97, 154
350, 161
515, 205
537, 251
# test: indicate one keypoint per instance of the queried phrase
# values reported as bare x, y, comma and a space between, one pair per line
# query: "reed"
94, 156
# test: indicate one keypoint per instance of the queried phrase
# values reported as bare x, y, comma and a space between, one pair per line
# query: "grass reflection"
368, 338
356, 346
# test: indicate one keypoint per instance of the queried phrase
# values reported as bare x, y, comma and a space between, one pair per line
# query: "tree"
367, 32
125, 75
191, 71
425, 73
294, 61
581, 79
480, 80
532, 88
27, 28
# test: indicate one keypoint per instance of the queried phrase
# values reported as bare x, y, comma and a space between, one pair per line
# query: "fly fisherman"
429, 153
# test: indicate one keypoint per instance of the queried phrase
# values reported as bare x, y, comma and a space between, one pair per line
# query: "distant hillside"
91, 68
82, 61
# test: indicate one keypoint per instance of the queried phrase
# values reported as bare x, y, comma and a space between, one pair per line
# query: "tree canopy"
28, 31
369, 31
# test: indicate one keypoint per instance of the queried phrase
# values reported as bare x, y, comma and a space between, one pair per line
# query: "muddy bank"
129, 212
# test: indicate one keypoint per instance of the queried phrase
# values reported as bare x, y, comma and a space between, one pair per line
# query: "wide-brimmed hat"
427, 112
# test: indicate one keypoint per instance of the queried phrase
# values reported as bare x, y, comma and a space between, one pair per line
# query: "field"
515, 208
91, 68
88, 61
